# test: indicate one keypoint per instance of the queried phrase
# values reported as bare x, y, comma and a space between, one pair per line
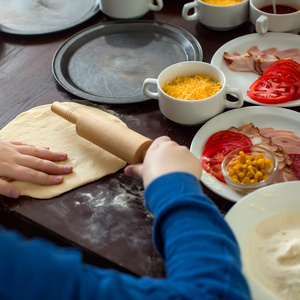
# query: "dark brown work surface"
105, 219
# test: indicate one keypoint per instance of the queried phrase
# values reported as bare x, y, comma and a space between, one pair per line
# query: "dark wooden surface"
106, 219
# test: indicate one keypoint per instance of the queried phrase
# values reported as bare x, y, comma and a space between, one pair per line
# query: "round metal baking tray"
108, 63
28, 17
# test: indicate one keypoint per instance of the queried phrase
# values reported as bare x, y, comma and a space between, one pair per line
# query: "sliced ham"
289, 144
283, 143
264, 61
292, 54
287, 139
286, 174
247, 129
271, 132
255, 51
255, 60
281, 54
295, 167
292, 149
239, 63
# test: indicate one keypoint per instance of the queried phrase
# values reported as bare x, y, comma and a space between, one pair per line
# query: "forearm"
201, 254
202, 258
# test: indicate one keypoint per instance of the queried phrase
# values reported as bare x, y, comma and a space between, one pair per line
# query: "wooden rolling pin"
119, 140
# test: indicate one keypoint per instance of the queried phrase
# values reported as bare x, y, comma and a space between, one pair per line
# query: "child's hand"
19, 161
165, 156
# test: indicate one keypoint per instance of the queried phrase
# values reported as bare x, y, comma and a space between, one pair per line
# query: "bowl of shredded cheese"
195, 87
192, 92
222, 2
249, 168
220, 15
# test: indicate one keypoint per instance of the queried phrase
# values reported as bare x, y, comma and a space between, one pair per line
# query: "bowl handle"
186, 8
262, 24
238, 93
157, 7
146, 92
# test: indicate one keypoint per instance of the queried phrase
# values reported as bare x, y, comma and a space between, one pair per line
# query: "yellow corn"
249, 169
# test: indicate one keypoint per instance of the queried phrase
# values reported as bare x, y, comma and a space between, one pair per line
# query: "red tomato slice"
288, 71
288, 62
284, 70
272, 89
280, 83
217, 147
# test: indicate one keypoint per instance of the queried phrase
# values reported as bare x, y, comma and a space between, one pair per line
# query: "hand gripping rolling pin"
119, 140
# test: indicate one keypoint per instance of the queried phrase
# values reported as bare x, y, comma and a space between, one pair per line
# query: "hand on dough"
165, 156
19, 161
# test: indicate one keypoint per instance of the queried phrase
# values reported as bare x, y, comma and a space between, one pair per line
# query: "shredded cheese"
195, 87
222, 2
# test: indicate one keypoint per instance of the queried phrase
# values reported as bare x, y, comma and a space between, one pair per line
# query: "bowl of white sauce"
266, 224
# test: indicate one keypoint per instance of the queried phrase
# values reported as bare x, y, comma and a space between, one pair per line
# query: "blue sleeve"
201, 254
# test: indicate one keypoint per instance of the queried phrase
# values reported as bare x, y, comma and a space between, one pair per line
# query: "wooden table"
106, 219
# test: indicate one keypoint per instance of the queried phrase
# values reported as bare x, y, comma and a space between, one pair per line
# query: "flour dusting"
123, 196
114, 218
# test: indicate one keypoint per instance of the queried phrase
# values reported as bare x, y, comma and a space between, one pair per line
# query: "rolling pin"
119, 140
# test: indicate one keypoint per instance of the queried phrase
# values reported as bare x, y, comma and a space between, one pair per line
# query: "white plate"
243, 80
28, 17
260, 116
256, 207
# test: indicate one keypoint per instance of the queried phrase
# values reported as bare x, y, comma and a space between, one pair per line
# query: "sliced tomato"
289, 73
284, 70
272, 89
280, 83
218, 146
282, 62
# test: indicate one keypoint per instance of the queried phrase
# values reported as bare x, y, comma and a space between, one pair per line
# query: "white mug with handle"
264, 21
129, 9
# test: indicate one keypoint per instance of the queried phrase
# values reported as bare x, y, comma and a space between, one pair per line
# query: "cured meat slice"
295, 167
287, 139
289, 144
292, 54
271, 132
255, 60
286, 174
239, 63
280, 142
253, 133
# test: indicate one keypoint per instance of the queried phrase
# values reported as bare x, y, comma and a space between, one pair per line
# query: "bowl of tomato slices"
249, 168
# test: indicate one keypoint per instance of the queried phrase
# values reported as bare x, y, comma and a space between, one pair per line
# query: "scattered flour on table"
111, 217
123, 196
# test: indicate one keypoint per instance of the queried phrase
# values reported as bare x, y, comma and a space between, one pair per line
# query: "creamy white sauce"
272, 255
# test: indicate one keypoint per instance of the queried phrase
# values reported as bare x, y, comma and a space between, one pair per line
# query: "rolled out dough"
41, 127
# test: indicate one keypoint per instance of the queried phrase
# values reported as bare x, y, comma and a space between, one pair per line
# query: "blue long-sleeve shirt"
201, 254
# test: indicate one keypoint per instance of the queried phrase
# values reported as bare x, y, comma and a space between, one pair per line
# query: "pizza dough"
41, 127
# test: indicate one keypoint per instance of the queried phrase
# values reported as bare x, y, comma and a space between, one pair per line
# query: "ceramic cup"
275, 22
191, 112
128, 9
217, 17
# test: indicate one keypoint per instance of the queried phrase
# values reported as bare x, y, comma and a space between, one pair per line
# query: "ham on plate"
285, 144
256, 61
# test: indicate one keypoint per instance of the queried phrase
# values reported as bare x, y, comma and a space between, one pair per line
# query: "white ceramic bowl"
192, 112
216, 17
256, 207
